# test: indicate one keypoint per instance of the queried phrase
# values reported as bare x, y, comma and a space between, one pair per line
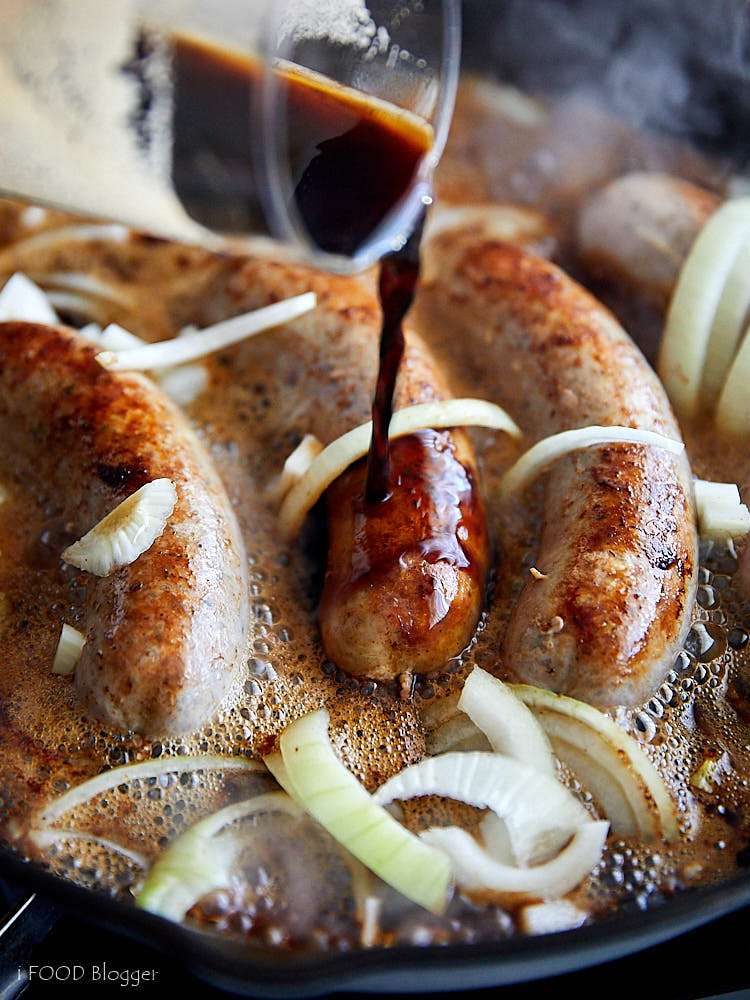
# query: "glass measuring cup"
184, 117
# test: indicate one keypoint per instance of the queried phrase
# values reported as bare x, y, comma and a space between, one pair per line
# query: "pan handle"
22, 929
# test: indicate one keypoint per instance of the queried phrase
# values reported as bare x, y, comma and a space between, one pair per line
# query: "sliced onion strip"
506, 721
199, 861
728, 326
732, 414
334, 797
125, 773
50, 838
192, 346
475, 870
50, 239
694, 302
354, 444
540, 813
613, 764
126, 532
84, 284
548, 450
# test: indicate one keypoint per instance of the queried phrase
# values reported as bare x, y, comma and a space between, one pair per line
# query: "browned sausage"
635, 232
618, 549
405, 579
165, 634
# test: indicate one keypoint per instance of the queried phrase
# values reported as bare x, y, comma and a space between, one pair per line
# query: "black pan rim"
265, 972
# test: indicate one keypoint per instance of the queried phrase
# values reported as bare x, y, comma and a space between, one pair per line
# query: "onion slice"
333, 796
126, 532
549, 449
51, 239
200, 860
476, 870
125, 773
539, 812
721, 514
49, 838
610, 764
728, 326
354, 444
694, 302
69, 648
192, 346
297, 464
506, 721
732, 414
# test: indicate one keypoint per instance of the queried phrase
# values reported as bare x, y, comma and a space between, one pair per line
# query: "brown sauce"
250, 418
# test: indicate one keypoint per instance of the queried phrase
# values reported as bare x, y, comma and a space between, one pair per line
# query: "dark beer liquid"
399, 273
351, 160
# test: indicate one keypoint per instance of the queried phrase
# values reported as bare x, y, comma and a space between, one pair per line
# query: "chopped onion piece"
334, 797
506, 721
126, 532
549, 449
611, 764
21, 299
200, 861
476, 871
720, 512
694, 301
69, 648
540, 813
49, 838
192, 346
732, 414
126, 773
341, 453
551, 917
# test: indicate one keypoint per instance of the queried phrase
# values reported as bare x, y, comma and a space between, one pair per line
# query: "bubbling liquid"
695, 727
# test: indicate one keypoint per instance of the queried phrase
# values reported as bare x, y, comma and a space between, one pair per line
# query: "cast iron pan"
262, 972
554, 45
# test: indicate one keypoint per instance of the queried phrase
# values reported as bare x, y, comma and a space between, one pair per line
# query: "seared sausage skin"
618, 549
405, 579
165, 634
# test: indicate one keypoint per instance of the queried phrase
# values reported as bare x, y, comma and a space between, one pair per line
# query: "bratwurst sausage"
635, 232
165, 634
618, 550
405, 579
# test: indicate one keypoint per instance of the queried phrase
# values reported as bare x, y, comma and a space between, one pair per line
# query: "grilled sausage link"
165, 634
405, 579
635, 232
618, 548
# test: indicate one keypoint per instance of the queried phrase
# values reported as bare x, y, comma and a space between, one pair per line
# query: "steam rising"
679, 66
